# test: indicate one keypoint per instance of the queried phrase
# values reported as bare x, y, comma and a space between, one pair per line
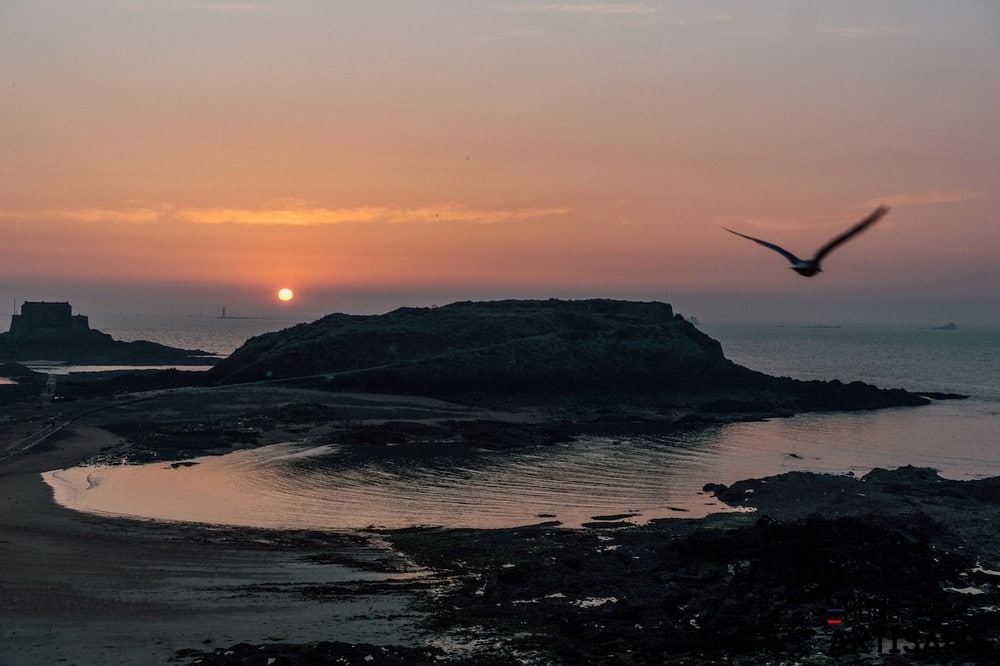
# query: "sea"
218, 336
304, 485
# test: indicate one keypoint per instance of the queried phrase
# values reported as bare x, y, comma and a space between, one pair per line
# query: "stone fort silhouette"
40, 319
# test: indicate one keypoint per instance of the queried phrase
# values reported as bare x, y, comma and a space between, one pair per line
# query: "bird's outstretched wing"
853, 231
777, 248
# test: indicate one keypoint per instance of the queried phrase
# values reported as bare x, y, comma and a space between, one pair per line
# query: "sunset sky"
182, 155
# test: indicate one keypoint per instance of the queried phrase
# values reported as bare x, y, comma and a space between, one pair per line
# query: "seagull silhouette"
809, 267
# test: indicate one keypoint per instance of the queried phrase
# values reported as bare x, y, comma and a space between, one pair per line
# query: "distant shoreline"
251, 318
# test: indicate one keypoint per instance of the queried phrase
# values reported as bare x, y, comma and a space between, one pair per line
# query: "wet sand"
76, 588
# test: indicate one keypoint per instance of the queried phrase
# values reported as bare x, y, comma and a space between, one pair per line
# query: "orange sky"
377, 155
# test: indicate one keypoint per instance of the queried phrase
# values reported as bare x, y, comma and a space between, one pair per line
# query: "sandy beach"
77, 588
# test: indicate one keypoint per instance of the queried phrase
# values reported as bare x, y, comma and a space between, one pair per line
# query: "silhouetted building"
52, 332
47, 320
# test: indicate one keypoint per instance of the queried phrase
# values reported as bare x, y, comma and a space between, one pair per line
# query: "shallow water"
296, 485
216, 335
299, 486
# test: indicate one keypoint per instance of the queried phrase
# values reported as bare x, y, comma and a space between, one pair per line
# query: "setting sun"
285, 294
241, 162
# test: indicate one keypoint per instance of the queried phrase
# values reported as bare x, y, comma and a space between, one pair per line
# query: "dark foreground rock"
898, 560
590, 352
19, 372
25, 384
324, 652
898, 567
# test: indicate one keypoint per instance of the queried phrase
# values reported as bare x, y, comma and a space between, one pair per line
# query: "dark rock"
907, 476
595, 351
323, 652
608, 525
26, 385
739, 589
614, 517
167, 441
515, 346
19, 372
736, 406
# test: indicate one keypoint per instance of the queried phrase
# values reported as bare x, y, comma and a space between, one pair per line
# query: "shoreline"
92, 589
660, 473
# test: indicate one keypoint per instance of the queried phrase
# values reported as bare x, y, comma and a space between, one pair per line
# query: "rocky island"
640, 356
51, 331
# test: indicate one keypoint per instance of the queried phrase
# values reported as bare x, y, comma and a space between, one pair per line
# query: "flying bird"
809, 267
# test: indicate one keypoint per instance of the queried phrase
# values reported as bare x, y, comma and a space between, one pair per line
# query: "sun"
285, 294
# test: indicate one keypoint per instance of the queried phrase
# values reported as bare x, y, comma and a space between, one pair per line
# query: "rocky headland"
51, 332
638, 357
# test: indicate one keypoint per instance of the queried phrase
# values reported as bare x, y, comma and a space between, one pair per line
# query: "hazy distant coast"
50, 331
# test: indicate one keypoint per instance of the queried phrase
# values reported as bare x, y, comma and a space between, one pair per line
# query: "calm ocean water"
302, 485
212, 334
215, 335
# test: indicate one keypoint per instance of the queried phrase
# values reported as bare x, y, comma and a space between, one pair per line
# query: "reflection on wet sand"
291, 486
301, 485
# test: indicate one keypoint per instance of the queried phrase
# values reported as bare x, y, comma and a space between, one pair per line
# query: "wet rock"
752, 589
744, 588
323, 652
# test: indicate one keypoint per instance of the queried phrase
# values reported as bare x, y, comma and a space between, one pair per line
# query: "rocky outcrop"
586, 349
19, 372
50, 331
895, 568
501, 345
889, 569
